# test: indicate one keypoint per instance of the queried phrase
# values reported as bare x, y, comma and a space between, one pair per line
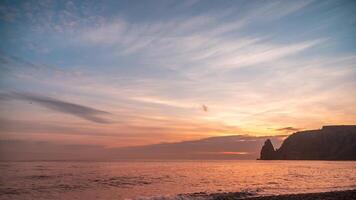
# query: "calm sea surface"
166, 179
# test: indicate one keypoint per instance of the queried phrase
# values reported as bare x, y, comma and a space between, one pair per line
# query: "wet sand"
335, 195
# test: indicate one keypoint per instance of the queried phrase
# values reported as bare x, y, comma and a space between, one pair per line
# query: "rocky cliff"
328, 143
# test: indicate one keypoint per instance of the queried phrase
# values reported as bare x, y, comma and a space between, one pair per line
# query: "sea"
161, 180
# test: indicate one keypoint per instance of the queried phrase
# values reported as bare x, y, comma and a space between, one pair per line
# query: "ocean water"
169, 179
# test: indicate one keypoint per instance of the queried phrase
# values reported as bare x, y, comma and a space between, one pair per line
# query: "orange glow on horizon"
234, 153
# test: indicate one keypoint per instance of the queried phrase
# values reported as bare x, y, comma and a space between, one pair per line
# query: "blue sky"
148, 68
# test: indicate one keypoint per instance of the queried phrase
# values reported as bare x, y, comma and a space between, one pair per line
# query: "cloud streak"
81, 111
288, 129
196, 41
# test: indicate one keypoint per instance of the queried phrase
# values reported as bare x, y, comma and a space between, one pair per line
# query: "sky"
128, 73
236, 147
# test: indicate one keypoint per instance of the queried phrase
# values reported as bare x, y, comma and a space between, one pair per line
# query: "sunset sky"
126, 73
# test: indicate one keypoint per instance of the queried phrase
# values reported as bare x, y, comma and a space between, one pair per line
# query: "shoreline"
331, 195
246, 195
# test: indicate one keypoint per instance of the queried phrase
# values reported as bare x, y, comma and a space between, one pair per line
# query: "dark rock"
267, 151
328, 143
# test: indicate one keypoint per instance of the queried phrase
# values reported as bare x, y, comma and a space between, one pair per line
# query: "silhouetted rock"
267, 151
328, 143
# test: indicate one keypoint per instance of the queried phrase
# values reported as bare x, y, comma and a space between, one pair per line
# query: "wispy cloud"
196, 41
84, 112
288, 129
164, 102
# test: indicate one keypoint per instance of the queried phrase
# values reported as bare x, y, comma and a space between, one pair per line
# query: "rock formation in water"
267, 151
328, 143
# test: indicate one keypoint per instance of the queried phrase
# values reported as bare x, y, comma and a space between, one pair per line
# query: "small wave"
201, 196
123, 181
39, 177
272, 183
128, 181
12, 191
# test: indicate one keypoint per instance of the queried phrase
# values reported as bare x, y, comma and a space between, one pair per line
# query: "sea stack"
267, 151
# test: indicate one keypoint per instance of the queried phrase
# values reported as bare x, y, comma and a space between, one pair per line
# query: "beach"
334, 195
244, 195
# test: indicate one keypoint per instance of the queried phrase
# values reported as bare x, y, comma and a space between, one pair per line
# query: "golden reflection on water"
120, 180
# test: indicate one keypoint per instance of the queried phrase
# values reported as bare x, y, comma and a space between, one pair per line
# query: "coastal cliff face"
328, 143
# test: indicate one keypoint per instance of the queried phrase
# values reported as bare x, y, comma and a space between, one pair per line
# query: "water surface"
141, 180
